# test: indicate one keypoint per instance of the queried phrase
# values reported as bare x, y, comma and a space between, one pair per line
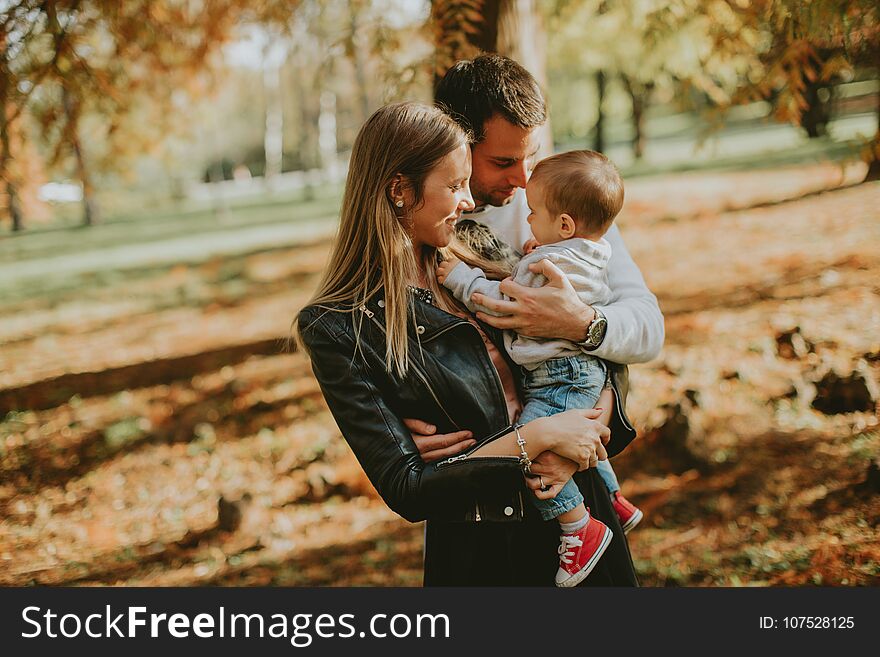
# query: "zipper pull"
369, 313
477, 517
453, 459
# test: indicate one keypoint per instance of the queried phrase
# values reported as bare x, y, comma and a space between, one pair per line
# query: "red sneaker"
580, 551
629, 514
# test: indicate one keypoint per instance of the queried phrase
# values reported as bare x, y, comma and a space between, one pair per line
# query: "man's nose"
519, 174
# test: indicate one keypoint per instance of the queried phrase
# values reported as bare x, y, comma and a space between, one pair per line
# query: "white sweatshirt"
635, 324
582, 261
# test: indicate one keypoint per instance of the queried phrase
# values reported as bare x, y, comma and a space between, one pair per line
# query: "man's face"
503, 161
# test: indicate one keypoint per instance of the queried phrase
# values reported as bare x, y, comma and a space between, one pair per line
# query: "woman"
387, 343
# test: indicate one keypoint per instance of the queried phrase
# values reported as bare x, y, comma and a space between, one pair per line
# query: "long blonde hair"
372, 249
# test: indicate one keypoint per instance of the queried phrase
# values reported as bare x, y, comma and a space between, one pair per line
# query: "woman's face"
446, 194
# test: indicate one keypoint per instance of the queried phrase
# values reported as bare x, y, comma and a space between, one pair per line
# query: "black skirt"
523, 553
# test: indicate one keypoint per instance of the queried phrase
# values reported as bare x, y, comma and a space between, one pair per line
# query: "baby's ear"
567, 226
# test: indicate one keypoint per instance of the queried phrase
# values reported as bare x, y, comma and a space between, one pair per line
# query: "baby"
573, 198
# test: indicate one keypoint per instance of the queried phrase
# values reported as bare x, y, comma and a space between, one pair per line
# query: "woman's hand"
573, 434
553, 471
434, 446
445, 267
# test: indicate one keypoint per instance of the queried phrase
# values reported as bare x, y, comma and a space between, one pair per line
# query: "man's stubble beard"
483, 197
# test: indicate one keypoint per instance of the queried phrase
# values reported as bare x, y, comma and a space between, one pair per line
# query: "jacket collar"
432, 319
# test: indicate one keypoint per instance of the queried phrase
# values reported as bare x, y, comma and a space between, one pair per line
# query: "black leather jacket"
453, 384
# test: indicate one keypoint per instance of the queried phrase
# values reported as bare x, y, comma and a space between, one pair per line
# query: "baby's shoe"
629, 514
580, 551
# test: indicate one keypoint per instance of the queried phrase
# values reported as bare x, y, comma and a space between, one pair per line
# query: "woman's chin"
444, 236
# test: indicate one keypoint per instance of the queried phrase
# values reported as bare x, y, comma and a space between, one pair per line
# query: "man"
502, 105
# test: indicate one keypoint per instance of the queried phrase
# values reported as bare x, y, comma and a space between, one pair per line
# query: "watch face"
597, 330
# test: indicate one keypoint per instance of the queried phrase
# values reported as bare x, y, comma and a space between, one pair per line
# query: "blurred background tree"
635, 50
98, 80
804, 48
156, 95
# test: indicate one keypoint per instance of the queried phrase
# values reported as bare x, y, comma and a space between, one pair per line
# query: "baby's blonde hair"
583, 184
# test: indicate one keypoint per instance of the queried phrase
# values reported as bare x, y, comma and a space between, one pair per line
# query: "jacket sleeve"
635, 324
383, 445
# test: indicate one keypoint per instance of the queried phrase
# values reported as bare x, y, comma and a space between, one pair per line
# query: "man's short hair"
583, 184
472, 91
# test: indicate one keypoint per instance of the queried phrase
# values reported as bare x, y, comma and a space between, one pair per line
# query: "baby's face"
545, 227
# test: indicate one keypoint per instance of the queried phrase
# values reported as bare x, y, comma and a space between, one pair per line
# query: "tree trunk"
509, 27
599, 142
360, 73
12, 204
327, 143
14, 209
273, 133
6, 82
815, 118
874, 166
462, 32
90, 205
91, 215
638, 94
873, 171
521, 37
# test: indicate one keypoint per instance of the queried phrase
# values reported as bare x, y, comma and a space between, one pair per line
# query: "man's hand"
530, 245
552, 311
553, 470
445, 267
434, 446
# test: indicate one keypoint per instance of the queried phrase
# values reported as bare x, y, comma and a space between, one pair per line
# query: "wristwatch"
596, 331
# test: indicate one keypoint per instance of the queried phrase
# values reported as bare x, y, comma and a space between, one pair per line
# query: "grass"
160, 226
814, 150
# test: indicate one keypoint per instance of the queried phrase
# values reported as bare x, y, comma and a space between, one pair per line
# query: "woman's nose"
467, 201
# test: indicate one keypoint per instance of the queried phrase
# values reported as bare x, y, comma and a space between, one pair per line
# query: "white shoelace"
566, 542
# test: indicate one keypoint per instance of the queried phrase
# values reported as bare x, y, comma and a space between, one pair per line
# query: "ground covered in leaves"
154, 432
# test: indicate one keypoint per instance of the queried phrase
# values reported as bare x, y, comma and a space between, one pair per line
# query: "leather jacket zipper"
492, 367
452, 460
464, 455
467, 455
370, 314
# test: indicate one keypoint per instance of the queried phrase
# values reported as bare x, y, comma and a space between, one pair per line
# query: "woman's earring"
399, 203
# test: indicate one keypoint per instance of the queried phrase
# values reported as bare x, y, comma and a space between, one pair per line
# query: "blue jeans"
555, 386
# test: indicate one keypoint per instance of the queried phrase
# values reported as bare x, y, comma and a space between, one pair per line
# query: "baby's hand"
530, 246
445, 267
